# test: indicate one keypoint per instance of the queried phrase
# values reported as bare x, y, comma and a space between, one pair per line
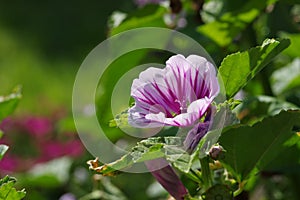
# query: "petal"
200, 106
194, 112
151, 89
199, 130
208, 72
179, 78
136, 118
195, 135
167, 177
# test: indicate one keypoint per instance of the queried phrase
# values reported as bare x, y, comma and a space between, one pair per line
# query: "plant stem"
193, 176
206, 173
239, 190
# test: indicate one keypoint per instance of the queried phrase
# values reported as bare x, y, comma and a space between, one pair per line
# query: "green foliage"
256, 108
286, 78
148, 16
238, 68
9, 103
224, 29
8, 192
249, 149
7, 106
170, 148
108, 192
287, 161
293, 50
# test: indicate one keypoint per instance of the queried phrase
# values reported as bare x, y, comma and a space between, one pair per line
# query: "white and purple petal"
177, 95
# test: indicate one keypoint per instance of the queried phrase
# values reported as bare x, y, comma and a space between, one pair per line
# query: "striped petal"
177, 95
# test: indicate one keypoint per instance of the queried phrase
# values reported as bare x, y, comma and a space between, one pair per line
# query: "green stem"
206, 173
193, 176
239, 190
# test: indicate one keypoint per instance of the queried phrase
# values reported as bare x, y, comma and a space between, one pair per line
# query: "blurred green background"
43, 42
42, 45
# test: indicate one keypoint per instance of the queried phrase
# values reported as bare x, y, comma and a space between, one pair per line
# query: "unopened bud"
216, 152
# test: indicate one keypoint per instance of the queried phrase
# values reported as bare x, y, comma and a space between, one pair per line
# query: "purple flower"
198, 131
167, 177
178, 95
38, 126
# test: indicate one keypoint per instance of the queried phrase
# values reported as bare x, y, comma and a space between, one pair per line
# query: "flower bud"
216, 152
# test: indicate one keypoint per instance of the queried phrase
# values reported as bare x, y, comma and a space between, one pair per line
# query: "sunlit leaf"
293, 50
9, 103
7, 190
150, 149
148, 16
238, 68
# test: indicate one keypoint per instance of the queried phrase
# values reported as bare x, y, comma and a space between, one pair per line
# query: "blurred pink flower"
38, 126
9, 163
34, 139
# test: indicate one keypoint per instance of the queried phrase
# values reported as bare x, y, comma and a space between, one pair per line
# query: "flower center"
183, 105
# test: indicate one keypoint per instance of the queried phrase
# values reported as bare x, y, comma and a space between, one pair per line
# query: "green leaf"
148, 16
9, 103
230, 24
250, 148
254, 109
170, 148
3, 149
7, 179
8, 192
286, 78
286, 161
120, 120
293, 50
238, 68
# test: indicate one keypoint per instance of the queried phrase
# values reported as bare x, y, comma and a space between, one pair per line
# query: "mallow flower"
179, 95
